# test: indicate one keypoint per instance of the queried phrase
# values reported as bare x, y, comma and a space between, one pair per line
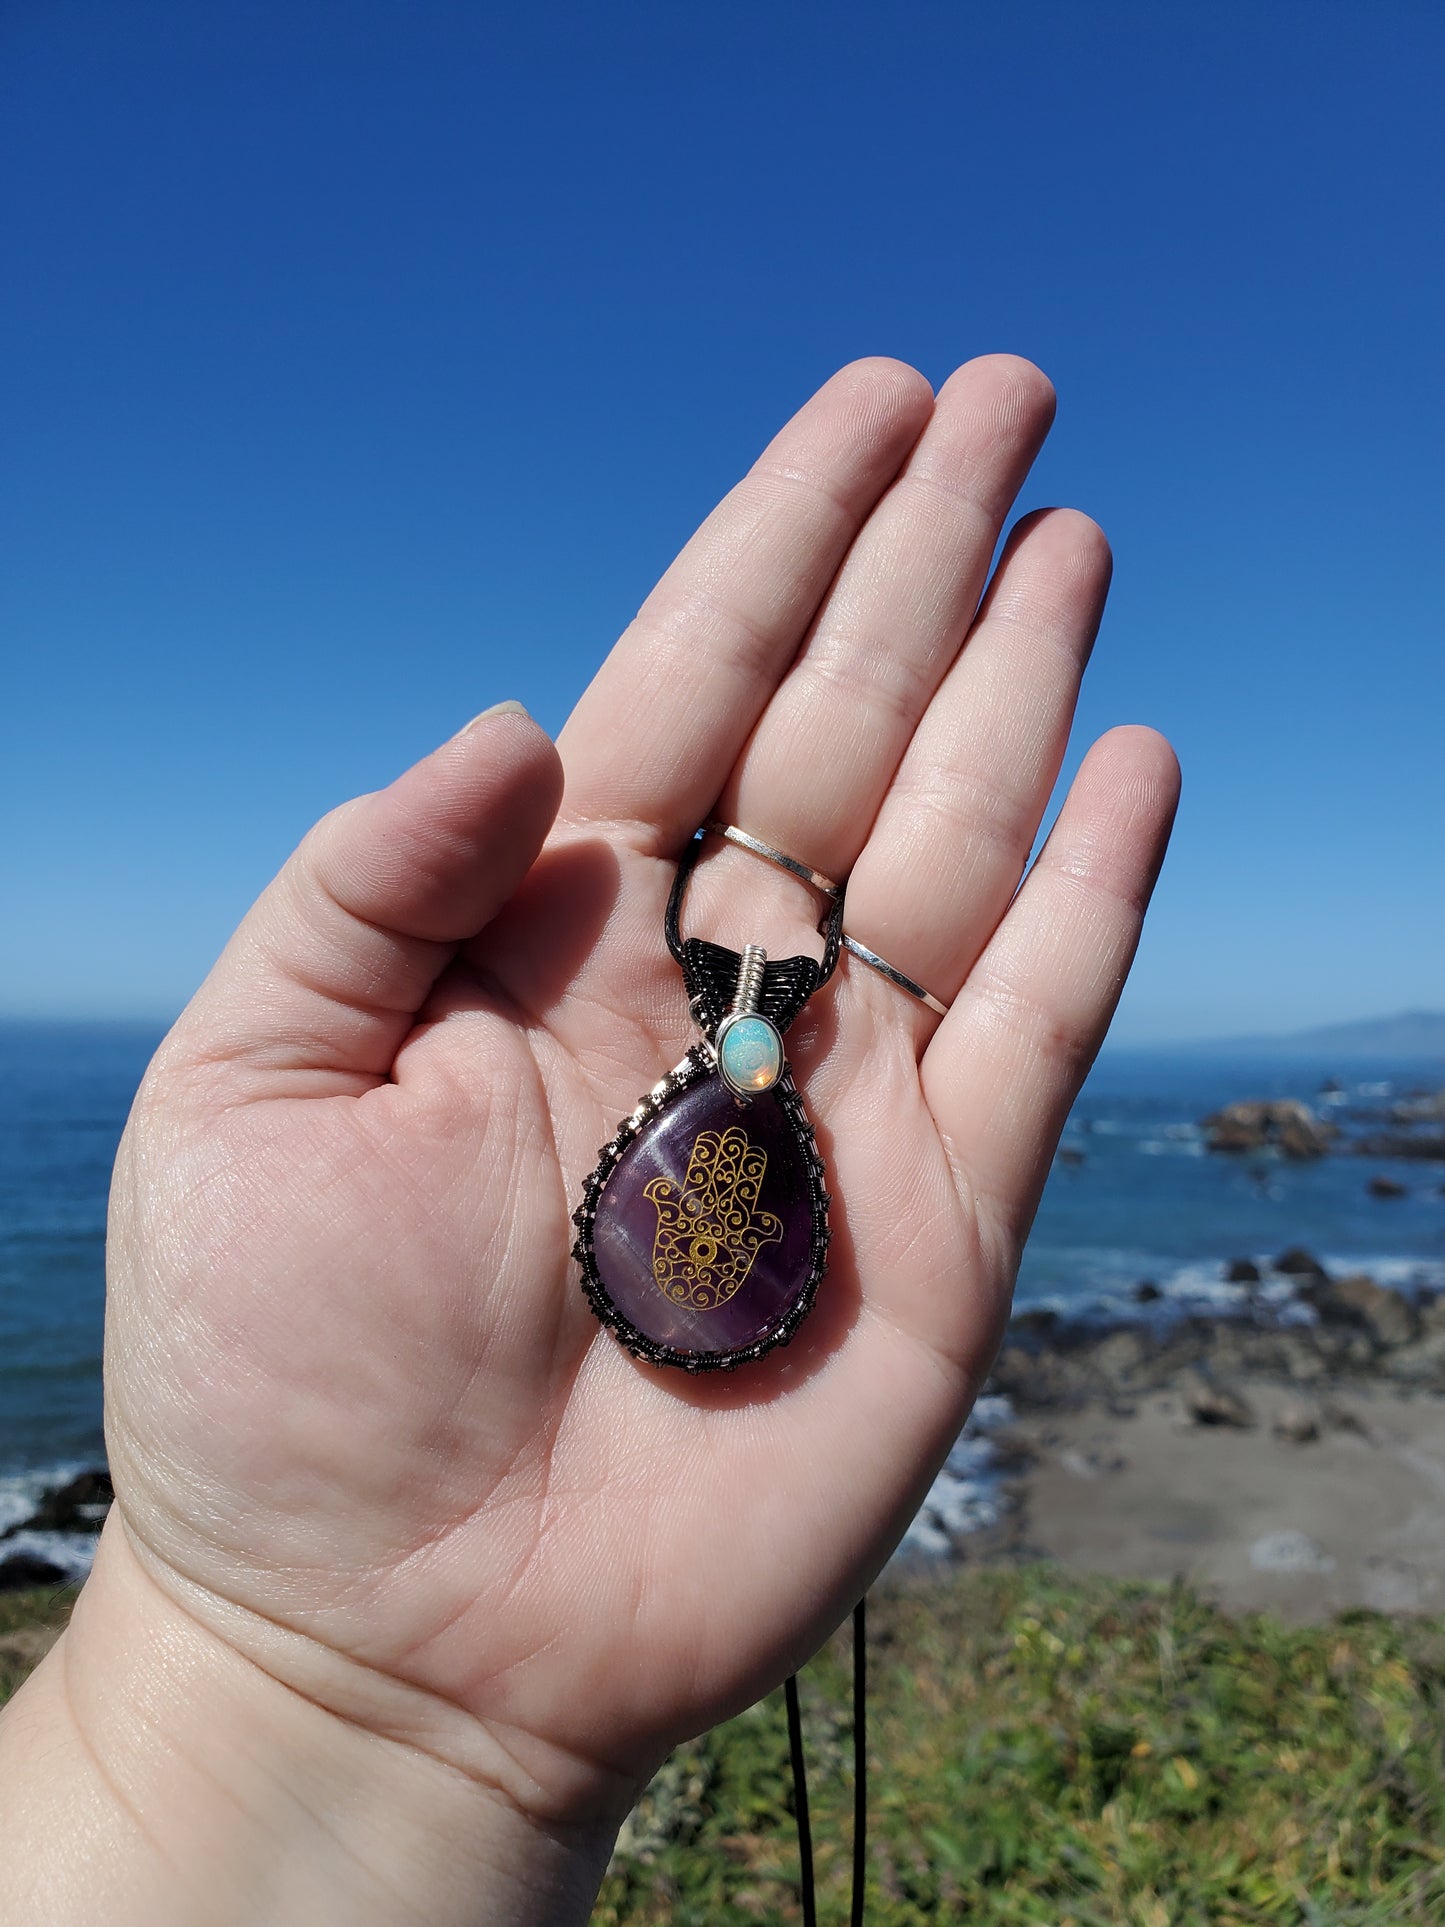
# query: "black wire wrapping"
710, 970
860, 1780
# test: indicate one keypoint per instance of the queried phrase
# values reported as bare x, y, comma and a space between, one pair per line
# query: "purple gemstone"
704, 1231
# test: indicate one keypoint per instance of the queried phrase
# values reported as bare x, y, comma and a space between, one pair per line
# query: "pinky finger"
1006, 1064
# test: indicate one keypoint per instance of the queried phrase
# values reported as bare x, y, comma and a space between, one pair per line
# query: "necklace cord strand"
860, 1764
830, 925
800, 1801
860, 1780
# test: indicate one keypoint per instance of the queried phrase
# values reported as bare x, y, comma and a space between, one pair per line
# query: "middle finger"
820, 761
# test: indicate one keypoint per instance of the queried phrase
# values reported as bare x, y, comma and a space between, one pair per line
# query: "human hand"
363, 1426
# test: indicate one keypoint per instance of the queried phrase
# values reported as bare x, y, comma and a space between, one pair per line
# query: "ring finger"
950, 842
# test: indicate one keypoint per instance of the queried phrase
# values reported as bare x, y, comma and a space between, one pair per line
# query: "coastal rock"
1241, 1271
78, 1506
25, 1569
1298, 1263
1037, 1382
1382, 1187
1389, 1319
1420, 1107
1421, 1364
1299, 1358
1230, 1345
1037, 1322
1426, 1146
1146, 1292
1343, 1418
1269, 1124
1117, 1358
1296, 1423
1209, 1404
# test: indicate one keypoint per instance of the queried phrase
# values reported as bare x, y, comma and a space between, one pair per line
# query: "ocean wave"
20, 1494
73, 1552
1106, 1284
966, 1496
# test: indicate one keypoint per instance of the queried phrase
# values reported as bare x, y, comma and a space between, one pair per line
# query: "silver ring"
867, 956
788, 863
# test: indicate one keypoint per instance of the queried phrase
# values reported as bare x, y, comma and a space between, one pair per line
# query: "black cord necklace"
860, 1780
702, 1232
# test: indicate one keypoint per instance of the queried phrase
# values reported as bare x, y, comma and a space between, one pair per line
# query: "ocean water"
1147, 1201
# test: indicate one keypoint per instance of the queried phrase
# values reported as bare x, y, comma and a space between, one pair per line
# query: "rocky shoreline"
1305, 1361
76, 1507
1290, 1455
1329, 1331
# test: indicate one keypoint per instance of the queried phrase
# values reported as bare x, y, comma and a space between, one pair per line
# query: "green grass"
28, 1623
1049, 1750
1077, 1753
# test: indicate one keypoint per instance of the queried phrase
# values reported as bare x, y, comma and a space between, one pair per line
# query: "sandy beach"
1352, 1517
1290, 1460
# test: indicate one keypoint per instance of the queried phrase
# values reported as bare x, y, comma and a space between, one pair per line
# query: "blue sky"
363, 364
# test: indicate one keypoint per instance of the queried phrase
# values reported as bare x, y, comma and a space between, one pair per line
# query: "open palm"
360, 1415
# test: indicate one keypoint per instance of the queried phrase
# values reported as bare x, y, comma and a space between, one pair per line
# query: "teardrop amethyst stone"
704, 1232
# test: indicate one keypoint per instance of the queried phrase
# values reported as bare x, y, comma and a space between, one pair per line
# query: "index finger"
656, 733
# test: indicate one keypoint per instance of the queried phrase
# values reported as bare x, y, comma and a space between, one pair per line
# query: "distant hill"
1413, 1033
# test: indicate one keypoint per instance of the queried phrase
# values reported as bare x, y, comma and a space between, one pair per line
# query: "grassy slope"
1078, 1753
1050, 1750
29, 1622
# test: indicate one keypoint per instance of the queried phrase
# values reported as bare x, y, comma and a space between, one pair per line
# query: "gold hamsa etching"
710, 1230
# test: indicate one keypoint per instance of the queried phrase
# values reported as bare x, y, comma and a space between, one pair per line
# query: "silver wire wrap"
750, 980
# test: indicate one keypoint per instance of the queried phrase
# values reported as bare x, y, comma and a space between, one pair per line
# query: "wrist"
204, 1788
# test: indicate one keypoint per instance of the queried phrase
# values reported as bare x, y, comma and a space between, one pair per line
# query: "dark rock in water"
1146, 1292
1298, 1263
1241, 1271
1211, 1404
1383, 1187
1269, 1124
79, 1506
24, 1569
1426, 1148
1420, 1107
1331, 1087
1037, 1323
1070, 1157
1388, 1318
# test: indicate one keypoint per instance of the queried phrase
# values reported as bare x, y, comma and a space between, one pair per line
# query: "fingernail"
511, 707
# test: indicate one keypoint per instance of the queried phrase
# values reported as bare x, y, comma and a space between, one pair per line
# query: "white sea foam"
965, 1496
73, 1552
20, 1493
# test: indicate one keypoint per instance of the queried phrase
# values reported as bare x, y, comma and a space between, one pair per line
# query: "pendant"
703, 1230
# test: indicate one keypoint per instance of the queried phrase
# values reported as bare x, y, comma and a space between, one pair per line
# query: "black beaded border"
692, 1070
